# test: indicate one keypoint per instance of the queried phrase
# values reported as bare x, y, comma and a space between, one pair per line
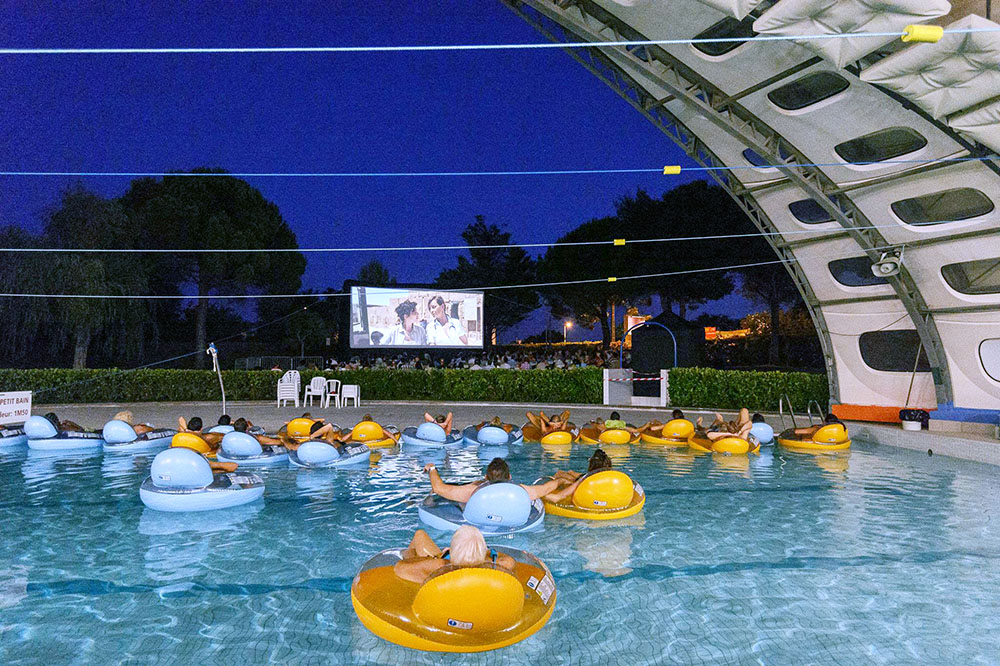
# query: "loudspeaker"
888, 265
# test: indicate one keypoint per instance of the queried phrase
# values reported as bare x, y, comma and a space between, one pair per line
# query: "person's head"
831, 418
307, 415
241, 425
440, 418
315, 426
225, 420
495, 421
407, 312
436, 306
677, 414
53, 419
367, 417
497, 470
468, 547
600, 460
124, 415
376, 337
757, 418
615, 416
195, 424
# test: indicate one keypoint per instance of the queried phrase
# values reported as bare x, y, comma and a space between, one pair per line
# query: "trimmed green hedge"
689, 387
577, 385
733, 389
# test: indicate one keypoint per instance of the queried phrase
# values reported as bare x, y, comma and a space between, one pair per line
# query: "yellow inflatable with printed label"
675, 432
733, 445
591, 434
832, 437
605, 495
457, 609
373, 435
299, 428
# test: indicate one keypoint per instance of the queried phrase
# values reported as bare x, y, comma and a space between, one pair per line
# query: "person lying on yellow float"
809, 431
496, 472
468, 549
655, 427
570, 480
546, 424
721, 428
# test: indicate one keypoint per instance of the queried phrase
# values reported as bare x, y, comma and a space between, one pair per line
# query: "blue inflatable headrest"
222, 428
493, 435
240, 444
763, 432
313, 452
180, 468
431, 432
498, 505
39, 427
118, 432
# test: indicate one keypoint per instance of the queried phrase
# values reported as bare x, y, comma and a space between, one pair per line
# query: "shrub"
757, 391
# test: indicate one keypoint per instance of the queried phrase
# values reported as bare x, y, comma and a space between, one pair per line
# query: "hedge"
757, 391
576, 385
689, 387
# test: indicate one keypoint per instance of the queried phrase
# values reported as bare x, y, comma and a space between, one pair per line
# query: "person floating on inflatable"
807, 432
496, 472
445, 421
205, 443
496, 422
655, 427
468, 549
721, 428
127, 416
196, 427
570, 480
547, 424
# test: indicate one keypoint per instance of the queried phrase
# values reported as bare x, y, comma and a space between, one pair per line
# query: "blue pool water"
879, 556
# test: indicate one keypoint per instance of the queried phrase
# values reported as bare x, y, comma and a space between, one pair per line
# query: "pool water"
877, 556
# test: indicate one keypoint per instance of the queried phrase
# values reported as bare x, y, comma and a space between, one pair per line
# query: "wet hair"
195, 423
468, 548
495, 421
240, 425
315, 426
757, 418
306, 415
677, 414
440, 418
124, 415
498, 470
53, 419
225, 420
832, 418
405, 309
368, 417
615, 416
600, 460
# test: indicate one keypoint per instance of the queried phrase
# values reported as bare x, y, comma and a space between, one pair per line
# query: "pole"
214, 353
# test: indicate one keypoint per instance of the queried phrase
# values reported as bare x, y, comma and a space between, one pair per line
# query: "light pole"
566, 326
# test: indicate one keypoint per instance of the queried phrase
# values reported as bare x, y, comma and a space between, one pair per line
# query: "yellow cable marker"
922, 33
612, 279
676, 169
619, 241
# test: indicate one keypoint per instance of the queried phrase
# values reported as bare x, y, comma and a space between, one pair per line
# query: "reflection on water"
732, 557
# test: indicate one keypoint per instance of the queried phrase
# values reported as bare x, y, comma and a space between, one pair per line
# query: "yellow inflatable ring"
591, 435
831, 437
558, 437
531, 433
299, 428
605, 495
457, 609
371, 435
733, 445
676, 432
190, 440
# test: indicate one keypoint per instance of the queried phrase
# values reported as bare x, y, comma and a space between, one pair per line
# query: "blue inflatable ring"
492, 436
317, 454
244, 449
495, 508
181, 480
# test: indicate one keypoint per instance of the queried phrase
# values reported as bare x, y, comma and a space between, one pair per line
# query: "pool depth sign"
15, 407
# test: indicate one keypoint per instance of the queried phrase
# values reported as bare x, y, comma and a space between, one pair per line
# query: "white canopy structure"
896, 134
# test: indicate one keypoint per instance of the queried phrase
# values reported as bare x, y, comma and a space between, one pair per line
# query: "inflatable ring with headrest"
604, 495
763, 432
12, 436
245, 450
222, 429
120, 436
495, 508
568, 435
193, 441
299, 428
373, 435
491, 435
181, 480
589, 434
832, 437
43, 436
317, 454
731, 445
676, 432
429, 435
457, 609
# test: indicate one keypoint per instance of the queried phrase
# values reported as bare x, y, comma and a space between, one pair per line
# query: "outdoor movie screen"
400, 317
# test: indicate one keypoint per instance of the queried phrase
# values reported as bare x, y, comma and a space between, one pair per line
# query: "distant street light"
566, 326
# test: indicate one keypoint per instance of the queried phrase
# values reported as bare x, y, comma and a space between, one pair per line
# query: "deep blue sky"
472, 111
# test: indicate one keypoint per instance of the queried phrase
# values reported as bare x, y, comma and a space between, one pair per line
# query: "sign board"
15, 407
711, 332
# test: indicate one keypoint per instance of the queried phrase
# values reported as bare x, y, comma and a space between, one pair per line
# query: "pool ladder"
786, 401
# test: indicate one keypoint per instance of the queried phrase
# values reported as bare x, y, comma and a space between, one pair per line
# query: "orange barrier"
877, 413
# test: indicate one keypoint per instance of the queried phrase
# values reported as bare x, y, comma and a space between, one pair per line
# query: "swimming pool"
877, 556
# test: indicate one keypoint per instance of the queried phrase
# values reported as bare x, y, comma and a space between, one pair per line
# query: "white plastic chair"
288, 387
317, 387
350, 392
332, 391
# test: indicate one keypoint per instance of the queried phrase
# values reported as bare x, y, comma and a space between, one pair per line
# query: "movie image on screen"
419, 317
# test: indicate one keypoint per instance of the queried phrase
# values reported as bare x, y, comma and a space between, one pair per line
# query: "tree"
496, 266
307, 326
85, 220
208, 213
771, 286
22, 326
375, 274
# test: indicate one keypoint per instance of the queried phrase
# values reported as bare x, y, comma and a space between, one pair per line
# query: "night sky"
459, 111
